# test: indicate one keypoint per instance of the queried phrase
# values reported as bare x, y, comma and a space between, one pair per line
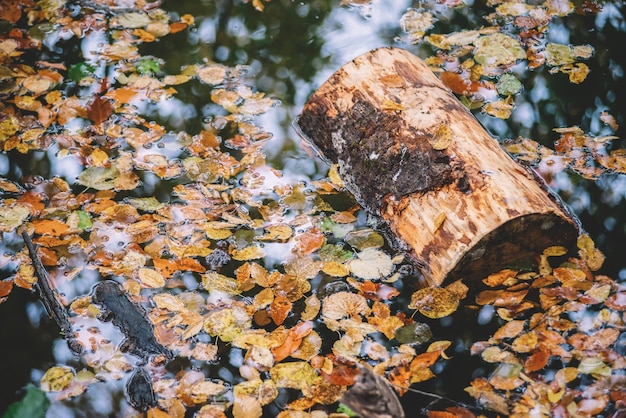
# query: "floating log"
413, 155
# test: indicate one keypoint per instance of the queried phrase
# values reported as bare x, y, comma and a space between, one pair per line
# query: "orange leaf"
536, 361
52, 227
168, 267
400, 378
122, 95
32, 199
5, 288
279, 309
425, 359
343, 373
440, 414
293, 340
310, 241
456, 82
177, 27
509, 330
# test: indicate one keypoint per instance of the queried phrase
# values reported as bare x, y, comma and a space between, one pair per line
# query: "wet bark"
414, 156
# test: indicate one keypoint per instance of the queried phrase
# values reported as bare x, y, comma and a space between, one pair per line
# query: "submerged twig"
48, 297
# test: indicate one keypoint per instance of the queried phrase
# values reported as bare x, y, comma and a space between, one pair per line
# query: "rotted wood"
413, 155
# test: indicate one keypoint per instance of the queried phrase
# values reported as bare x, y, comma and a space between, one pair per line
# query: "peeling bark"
413, 155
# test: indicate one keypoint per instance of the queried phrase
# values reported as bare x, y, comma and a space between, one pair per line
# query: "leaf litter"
211, 234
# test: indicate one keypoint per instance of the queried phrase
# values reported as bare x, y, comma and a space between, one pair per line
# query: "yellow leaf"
280, 232
250, 252
247, 407
434, 302
57, 378
333, 175
217, 233
294, 375
150, 278
525, 343
227, 323
589, 253
333, 268
312, 308
441, 139
213, 281
555, 396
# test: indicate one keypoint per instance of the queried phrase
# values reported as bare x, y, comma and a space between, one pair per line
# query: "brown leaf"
99, 110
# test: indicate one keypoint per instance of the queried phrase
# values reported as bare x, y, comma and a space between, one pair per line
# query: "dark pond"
291, 48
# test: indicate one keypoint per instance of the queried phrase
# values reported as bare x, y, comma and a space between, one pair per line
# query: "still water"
290, 49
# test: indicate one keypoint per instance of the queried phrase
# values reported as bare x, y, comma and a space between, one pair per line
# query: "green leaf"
559, 54
33, 405
508, 85
80, 71
343, 409
331, 252
364, 238
147, 66
84, 220
498, 49
417, 333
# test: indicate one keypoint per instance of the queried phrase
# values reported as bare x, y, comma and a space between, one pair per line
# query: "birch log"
413, 155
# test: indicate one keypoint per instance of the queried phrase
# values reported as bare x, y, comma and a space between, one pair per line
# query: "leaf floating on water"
99, 178
416, 24
344, 305
57, 378
508, 85
251, 252
434, 302
589, 253
371, 264
364, 238
12, 216
33, 405
498, 49
559, 54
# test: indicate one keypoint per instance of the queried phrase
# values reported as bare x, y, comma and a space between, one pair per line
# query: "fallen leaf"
434, 302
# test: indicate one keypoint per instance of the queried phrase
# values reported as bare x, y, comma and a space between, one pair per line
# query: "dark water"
291, 49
